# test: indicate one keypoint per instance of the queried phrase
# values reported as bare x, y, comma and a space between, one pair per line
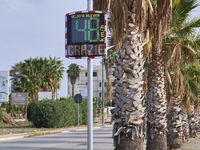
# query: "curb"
11, 138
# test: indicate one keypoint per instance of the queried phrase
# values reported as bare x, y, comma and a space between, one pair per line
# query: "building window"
99, 84
105, 83
99, 94
94, 74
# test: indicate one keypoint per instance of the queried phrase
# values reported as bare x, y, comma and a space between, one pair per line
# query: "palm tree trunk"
126, 142
156, 105
185, 125
128, 130
174, 137
72, 90
192, 122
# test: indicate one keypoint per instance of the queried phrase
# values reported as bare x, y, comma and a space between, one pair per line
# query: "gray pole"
89, 5
90, 94
78, 112
102, 91
56, 78
90, 105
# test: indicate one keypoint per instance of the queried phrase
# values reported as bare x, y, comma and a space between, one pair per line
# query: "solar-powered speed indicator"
85, 34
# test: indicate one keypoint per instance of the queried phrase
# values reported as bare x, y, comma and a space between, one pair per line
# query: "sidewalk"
192, 144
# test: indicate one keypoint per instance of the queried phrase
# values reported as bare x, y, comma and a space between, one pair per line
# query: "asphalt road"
75, 140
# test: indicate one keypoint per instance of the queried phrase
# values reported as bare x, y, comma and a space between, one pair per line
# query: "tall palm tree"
129, 116
52, 71
159, 20
183, 44
34, 75
73, 74
191, 73
130, 19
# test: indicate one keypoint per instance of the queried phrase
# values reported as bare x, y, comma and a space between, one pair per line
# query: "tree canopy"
38, 74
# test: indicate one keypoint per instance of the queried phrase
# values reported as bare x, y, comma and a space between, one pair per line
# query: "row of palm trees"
38, 74
170, 61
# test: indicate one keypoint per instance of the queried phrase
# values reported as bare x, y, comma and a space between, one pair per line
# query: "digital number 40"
87, 29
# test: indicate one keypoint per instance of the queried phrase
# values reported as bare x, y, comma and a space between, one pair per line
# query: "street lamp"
56, 78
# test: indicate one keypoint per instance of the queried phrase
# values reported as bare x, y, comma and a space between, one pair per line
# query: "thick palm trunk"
126, 142
72, 90
192, 122
185, 125
196, 120
174, 137
128, 114
156, 105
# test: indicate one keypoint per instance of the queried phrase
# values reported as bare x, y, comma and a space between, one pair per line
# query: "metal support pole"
90, 5
90, 105
78, 112
102, 92
90, 94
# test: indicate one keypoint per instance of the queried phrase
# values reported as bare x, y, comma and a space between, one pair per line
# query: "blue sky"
36, 28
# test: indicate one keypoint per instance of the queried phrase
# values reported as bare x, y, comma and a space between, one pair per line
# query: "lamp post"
56, 77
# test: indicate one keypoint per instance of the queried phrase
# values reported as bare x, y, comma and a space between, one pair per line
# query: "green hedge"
1, 115
59, 113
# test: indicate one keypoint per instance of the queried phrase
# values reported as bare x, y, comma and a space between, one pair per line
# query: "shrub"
59, 113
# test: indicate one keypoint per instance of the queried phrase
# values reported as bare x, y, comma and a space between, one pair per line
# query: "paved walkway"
192, 144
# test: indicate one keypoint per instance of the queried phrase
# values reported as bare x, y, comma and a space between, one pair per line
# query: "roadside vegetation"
22, 127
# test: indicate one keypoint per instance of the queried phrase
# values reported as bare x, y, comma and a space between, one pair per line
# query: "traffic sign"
96, 106
97, 100
85, 34
78, 98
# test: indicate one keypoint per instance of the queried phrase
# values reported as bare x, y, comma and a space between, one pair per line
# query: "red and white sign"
110, 100
85, 34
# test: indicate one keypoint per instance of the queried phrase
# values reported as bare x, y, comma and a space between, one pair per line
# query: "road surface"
75, 140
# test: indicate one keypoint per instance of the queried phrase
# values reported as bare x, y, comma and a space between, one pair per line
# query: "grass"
22, 127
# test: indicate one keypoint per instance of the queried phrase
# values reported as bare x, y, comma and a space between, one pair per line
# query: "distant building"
97, 82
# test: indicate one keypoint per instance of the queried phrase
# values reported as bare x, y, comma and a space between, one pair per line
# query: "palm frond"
168, 88
178, 83
175, 57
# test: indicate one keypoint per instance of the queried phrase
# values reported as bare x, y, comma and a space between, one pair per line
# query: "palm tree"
34, 75
129, 116
129, 19
73, 74
181, 41
191, 74
159, 20
52, 71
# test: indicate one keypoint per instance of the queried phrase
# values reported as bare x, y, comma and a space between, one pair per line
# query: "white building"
97, 82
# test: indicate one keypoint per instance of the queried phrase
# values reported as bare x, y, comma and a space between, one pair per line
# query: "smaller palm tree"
73, 74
